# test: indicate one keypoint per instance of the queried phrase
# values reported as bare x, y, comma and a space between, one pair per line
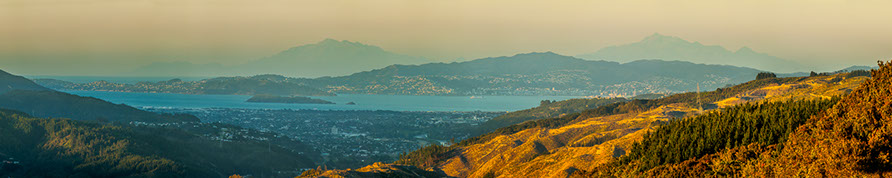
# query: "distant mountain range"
328, 57
333, 58
523, 74
663, 47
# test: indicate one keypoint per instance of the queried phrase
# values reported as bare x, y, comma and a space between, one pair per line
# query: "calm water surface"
363, 102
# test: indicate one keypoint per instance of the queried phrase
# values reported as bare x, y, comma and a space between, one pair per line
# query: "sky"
107, 37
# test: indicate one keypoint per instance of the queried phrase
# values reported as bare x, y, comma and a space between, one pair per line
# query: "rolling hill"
103, 139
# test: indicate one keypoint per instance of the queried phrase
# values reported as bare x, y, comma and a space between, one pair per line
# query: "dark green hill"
22, 94
65, 148
47, 103
9, 82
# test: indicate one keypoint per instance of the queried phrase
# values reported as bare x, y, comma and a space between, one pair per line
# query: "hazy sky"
101, 37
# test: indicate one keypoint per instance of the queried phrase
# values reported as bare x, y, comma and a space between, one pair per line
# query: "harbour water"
363, 102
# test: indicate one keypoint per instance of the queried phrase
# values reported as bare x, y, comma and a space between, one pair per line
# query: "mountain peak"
745, 50
539, 54
333, 44
330, 41
657, 37
329, 57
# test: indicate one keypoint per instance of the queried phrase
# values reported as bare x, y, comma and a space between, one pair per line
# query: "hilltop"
658, 46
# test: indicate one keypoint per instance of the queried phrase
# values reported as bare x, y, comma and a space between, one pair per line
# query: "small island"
286, 99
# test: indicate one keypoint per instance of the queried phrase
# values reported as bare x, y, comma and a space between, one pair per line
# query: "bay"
363, 102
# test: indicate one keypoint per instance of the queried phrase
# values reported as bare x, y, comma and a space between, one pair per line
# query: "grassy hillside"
546, 110
577, 143
839, 138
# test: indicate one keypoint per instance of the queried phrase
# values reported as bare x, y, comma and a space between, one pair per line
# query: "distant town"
349, 139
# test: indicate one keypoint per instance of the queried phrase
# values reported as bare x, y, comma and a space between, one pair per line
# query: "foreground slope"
590, 139
849, 139
546, 110
564, 146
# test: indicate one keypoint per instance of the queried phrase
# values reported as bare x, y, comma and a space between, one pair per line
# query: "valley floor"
351, 139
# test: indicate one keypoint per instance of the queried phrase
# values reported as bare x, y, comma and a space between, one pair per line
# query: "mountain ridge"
658, 46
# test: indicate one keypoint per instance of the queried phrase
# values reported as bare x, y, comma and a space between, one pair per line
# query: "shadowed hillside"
23, 95
9, 82
63, 147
